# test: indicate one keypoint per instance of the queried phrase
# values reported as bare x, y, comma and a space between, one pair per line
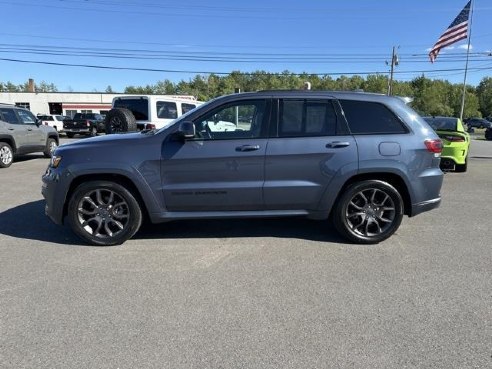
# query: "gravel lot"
283, 293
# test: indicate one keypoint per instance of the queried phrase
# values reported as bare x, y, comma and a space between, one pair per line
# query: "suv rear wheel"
104, 213
368, 212
6, 155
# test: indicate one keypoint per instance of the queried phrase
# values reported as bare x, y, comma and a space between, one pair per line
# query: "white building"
64, 103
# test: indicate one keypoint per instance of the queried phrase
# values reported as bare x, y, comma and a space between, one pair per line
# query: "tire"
461, 168
70, 135
368, 212
51, 146
120, 120
104, 213
93, 131
6, 155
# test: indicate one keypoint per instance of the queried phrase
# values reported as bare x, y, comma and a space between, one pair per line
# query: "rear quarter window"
367, 117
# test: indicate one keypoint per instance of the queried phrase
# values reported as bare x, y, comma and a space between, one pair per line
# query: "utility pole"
394, 62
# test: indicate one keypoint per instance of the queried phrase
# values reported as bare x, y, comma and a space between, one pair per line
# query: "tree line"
430, 97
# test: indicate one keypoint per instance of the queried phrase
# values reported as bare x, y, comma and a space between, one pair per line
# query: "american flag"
457, 31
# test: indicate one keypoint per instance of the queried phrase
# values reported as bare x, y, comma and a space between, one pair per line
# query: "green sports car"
455, 140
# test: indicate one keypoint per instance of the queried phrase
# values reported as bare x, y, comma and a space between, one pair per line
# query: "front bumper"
54, 189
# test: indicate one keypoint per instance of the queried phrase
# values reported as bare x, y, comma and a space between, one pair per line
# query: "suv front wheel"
368, 212
104, 213
50, 147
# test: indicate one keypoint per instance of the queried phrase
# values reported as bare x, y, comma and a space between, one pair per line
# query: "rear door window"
367, 117
305, 118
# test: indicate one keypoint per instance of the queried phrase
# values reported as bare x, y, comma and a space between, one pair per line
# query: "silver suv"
22, 133
363, 161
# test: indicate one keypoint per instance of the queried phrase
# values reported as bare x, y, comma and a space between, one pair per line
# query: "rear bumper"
456, 153
76, 130
424, 206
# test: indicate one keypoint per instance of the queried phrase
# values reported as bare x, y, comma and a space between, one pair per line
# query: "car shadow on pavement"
26, 157
299, 228
28, 221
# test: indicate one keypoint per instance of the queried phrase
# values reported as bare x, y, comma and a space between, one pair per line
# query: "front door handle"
337, 144
248, 148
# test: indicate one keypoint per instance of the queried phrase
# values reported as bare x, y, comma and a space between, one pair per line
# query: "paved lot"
282, 293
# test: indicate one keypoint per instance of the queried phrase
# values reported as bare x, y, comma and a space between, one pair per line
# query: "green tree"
165, 87
376, 83
484, 94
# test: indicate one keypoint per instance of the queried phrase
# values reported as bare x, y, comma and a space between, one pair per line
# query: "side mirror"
186, 129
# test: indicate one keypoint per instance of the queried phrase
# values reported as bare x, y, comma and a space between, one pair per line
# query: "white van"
155, 111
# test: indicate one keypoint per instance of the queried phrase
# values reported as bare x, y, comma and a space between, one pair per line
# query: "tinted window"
8, 115
300, 118
139, 107
187, 107
365, 117
45, 117
443, 124
166, 110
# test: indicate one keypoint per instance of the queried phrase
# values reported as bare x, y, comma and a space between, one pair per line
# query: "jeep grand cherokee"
361, 160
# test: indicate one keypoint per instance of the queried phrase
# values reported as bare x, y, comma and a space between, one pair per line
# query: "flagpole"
466, 65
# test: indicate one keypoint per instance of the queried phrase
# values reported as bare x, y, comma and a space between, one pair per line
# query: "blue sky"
176, 40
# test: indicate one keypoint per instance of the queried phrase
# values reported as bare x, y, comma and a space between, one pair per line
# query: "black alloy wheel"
368, 212
104, 213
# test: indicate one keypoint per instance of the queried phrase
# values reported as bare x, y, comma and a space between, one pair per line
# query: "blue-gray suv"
360, 160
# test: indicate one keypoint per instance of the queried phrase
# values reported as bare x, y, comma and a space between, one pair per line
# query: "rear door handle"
248, 148
337, 144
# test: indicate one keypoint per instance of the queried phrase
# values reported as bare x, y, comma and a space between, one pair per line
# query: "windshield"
442, 123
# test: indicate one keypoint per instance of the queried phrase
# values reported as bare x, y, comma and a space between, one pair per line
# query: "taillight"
454, 138
434, 146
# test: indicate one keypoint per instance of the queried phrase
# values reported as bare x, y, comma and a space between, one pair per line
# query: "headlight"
55, 161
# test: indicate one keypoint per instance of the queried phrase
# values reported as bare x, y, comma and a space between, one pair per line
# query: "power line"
228, 73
